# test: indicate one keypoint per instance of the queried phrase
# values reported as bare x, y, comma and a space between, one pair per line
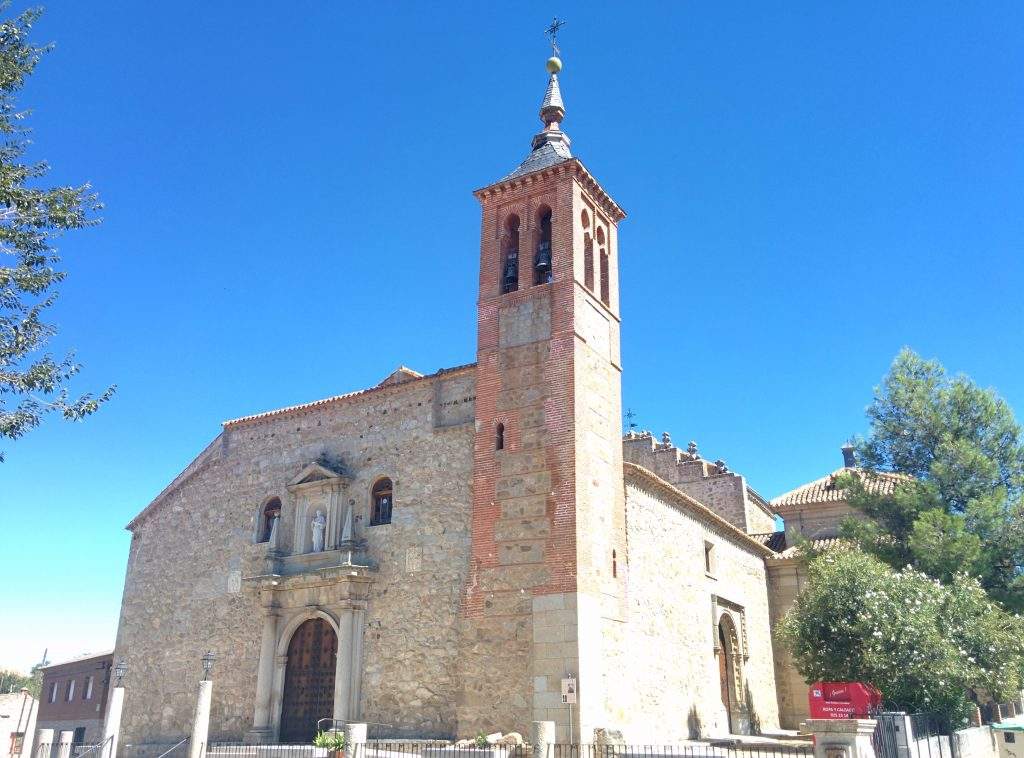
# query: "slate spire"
551, 144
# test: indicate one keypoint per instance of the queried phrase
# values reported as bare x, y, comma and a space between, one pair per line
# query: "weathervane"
552, 33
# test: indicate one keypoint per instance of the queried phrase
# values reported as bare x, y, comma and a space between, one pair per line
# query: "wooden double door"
308, 680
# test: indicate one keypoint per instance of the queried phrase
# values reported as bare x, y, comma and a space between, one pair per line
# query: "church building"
444, 554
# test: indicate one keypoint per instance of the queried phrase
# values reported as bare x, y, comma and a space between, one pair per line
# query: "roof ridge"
232, 423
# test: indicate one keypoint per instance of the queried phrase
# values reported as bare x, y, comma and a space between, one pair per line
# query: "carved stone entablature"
316, 477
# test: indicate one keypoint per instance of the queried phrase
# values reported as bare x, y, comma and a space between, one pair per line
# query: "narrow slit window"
499, 437
709, 559
615, 565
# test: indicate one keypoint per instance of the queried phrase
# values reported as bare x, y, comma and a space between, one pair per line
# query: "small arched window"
271, 513
542, 259
510, 255
382, 502
499, 437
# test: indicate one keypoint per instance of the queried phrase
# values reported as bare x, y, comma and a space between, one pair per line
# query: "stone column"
201, 722
542, 737
44, 743
343, 667
841, 738
355, 740
277, 695
261, 730
64, 746
112, 722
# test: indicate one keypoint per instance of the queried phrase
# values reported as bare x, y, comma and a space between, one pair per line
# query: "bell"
543, 255
510, 279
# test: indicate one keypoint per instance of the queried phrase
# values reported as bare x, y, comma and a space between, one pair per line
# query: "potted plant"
333, 741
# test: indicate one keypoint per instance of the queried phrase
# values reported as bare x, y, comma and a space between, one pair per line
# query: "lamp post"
208, 660
201, 722
115, 706
120, 669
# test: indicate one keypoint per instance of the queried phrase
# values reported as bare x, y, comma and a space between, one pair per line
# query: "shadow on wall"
755, 720
693, 724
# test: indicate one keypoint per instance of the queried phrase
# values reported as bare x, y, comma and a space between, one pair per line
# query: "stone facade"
712, 484
519, 549
676, 603
194, 571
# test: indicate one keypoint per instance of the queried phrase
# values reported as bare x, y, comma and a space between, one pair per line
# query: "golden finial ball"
554, 64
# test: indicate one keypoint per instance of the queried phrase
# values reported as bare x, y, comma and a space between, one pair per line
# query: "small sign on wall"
569, 691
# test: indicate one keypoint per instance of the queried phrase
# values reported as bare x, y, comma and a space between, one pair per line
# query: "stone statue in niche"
319, 525
273, 531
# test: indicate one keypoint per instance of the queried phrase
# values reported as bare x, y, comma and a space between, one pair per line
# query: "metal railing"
73, 749
174, 747
712, 749
466, 749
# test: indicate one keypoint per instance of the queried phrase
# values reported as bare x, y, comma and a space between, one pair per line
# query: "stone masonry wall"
670, 670
723, 491
786, 578
191, 550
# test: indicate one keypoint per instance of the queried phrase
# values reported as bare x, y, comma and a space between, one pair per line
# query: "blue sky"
810, 187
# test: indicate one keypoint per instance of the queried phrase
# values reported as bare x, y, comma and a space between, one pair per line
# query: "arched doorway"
308, 680
723, 674
730, 675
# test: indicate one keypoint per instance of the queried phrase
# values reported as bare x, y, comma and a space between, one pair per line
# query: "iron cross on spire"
552, 33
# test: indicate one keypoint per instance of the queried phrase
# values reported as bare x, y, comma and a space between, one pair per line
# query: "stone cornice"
570, 167
293, 410
652, 481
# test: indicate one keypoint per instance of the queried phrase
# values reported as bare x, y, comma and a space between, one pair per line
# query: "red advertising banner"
842, 700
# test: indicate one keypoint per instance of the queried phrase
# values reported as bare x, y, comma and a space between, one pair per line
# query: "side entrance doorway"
723, 674
309, 680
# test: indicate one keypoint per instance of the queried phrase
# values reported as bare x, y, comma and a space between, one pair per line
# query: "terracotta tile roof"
336, 398
819, 543
776, 542
824, 490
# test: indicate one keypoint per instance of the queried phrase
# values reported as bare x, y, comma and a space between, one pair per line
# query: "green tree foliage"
13, 681
32, 383
926, 645
959, 507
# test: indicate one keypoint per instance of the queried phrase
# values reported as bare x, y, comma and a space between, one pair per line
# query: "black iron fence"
912, 735
721, 749
444, 749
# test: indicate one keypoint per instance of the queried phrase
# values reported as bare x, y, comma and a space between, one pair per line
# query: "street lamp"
120, 669
208, 660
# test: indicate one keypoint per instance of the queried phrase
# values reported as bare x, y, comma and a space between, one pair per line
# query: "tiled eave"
573, 167
215, 448
303, 407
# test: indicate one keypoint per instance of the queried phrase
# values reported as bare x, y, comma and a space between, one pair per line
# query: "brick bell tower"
545, 599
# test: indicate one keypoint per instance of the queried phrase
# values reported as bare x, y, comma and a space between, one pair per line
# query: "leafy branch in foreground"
32, 383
